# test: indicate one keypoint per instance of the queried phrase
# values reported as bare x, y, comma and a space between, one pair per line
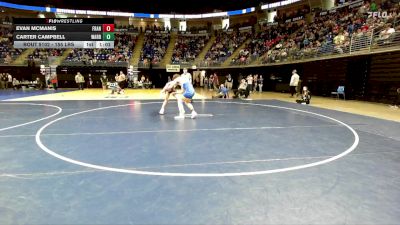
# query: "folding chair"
338, 92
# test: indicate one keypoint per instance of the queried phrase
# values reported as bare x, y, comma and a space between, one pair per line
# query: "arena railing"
210, 63
364, 43
381, 42
97, 63
184, 63
357, 44
148, 65
396, 22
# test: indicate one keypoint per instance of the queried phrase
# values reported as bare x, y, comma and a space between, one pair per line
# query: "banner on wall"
294, 19
173, 68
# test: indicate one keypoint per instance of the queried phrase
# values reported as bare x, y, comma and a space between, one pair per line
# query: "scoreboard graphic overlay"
64, 33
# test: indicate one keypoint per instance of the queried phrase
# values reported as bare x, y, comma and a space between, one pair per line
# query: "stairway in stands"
260, 59
22, 59
204, 51
137, 50
170, 49
61, 58
235, 54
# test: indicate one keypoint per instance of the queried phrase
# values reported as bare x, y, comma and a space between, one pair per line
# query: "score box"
108, 36
108, 27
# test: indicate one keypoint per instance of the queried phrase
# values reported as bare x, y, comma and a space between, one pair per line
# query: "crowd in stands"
154, 47
7, 52
40, 55
122, 52
224, 45
5, 20
342, 31
263, 41
187, 48
336, 33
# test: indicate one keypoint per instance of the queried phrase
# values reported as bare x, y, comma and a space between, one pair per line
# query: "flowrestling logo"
377, 14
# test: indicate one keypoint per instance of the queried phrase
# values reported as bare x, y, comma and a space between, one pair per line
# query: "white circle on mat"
34, 121
250, 173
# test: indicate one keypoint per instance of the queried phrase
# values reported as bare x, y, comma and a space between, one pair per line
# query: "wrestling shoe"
194, 114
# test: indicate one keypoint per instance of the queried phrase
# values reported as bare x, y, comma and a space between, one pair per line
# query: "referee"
121, 80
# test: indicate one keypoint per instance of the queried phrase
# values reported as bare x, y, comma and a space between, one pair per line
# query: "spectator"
3, 81
396, 102
294, 81
16, 84
53, 80
339, 41
80, 80
39, 84
205, 81
9, 80
250, 82
147, 83
373, 7
260, 83
387, 33
8, 59
90, 81
255, 82
104, 81
202, 78
215, 81
229, 82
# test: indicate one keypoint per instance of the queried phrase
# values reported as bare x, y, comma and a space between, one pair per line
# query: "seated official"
147, 84
222, 92
242, 90
305, 96
16, 84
